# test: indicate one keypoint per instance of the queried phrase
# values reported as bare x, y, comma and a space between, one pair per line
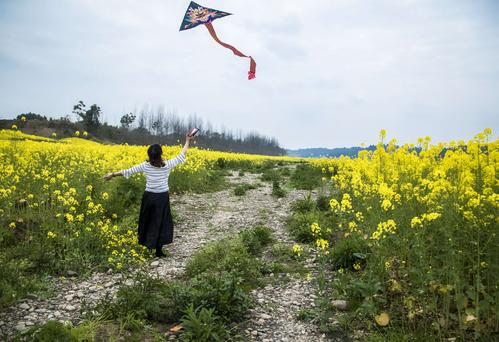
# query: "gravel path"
202, 218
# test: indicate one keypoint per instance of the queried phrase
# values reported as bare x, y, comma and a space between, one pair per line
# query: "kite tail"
252, 71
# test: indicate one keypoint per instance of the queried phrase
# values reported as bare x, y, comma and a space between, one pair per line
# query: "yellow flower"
297, 249
322, 244
77, 133
14, 127
483, 264
12, 225
51, 235
356, 266
23, 118
85, 133
388, 265
315, 228
105, 196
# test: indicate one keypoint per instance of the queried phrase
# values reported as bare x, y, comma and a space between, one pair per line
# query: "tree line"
150, 126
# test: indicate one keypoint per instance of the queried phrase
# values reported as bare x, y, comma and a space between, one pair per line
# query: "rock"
71, 274
70, 307
20, 326
109, 284
79, 294
155, 263
265, 316
129, 282
339, 304
24, 306
69, 297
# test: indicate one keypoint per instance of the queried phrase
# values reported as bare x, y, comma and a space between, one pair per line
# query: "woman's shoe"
159, 253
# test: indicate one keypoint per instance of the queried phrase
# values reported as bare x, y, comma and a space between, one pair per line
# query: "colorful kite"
199, 15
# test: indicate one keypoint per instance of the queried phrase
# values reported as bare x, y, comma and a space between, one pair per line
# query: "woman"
155, 219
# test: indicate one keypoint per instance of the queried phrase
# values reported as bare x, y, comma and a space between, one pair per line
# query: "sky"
330, 73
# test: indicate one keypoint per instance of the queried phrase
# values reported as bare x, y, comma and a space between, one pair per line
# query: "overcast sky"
330, 73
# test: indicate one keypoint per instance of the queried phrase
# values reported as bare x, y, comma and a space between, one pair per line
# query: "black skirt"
155, 220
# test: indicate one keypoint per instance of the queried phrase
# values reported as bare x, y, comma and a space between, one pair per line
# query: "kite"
199, 15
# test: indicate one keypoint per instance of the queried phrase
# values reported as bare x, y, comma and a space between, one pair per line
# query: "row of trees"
158, 126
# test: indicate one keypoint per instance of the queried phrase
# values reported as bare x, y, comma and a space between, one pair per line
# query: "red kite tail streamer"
252, 71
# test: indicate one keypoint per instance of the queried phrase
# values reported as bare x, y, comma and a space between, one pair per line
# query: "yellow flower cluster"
297, 249
384, 228
62, 179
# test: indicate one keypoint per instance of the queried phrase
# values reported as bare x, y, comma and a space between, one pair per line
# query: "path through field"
201, 218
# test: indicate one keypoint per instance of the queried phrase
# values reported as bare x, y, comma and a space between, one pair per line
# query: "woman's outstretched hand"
108, 176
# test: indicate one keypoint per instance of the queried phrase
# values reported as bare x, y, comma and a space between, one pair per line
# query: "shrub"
349, 251
277, 191
303, 205
228, 255
241, 189
223, 291
201, 325
48, 332
256, 239
270, 175
306, 177
299, 225
149, 298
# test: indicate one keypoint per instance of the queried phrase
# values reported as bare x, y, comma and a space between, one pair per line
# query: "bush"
277, 191
306, 177
48, 332
303, 205
149, 298
241, 189
256, 239
228, 255
202, 325
224, 292
349, 251
270, 175
299, 225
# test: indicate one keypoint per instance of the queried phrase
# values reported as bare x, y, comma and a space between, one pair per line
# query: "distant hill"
328, 152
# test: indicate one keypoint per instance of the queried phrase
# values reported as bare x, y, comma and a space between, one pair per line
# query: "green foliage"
347, 252
16, 281
270, 175
240, 190
303, 205
90, 117
228, 255
306, 177
202, 325
277, 191
299, 225
223, 291
148, 298
256, 239
48, 332
198, 182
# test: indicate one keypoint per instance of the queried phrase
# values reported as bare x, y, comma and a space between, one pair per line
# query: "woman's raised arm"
181, 157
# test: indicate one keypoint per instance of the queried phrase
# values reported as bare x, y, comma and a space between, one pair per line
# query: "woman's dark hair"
154, 152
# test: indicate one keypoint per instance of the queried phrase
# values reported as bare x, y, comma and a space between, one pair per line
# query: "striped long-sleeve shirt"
156, 177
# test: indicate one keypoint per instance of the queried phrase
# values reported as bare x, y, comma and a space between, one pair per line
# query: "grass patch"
240, 190
306, 177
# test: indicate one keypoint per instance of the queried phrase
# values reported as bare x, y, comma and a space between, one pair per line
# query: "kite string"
252, 71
